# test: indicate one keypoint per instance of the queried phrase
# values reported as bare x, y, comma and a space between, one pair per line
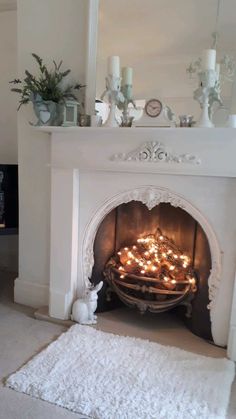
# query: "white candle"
217, 71
233, 98
208, 59
114, 66
127, 75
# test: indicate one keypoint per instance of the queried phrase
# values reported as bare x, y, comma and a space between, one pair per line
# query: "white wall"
8, 100
159, 39
54, 29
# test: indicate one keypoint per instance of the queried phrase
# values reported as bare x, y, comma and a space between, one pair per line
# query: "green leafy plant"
48, 85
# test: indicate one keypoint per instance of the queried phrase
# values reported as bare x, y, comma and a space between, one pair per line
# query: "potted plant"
48, 92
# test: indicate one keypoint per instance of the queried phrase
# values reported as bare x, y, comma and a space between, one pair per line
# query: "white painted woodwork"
206, 190
64, 229
55, 29
91, 57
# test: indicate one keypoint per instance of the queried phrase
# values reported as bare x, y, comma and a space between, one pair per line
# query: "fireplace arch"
152, 196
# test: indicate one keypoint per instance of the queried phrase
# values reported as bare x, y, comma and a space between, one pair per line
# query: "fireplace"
94, 171
151, 269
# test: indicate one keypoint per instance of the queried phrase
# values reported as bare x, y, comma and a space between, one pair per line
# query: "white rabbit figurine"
84, 308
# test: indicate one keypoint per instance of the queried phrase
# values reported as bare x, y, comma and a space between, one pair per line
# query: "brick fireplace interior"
130, 221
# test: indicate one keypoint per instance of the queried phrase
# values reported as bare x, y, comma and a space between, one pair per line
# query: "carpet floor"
21, 337
109, 376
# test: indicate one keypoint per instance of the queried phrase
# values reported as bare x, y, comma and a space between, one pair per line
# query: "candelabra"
126, 119
115, 97
210, 83
207, 93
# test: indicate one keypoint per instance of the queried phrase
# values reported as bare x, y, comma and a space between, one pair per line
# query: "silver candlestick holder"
126, 119
115, 97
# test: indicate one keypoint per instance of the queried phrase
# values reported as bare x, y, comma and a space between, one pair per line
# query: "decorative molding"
155, 152
152, 196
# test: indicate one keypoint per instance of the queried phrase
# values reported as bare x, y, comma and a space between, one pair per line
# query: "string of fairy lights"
158, 259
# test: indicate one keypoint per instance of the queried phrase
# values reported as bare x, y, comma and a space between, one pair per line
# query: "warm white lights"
156, 257
192, 280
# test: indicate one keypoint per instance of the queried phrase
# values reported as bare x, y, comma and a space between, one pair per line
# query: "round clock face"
153, 108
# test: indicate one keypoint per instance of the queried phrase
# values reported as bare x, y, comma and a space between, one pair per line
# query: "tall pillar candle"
208, 59
127, 76
217, 71
233, 98
114, 66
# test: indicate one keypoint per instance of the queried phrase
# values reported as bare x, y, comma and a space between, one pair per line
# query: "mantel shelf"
54, 129
191, 151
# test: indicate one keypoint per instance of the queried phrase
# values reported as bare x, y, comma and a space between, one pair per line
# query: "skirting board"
42, 313
30, 293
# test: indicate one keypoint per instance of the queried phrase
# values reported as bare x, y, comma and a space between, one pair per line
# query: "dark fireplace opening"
133, 225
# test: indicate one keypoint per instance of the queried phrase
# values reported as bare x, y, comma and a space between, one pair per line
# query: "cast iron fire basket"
153, 275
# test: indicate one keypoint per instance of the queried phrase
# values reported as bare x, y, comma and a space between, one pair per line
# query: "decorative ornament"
155, 152
84, 308
70, 114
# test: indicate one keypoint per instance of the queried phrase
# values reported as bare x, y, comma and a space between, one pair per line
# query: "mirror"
159, 39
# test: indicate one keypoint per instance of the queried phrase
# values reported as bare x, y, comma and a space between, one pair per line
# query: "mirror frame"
91, 55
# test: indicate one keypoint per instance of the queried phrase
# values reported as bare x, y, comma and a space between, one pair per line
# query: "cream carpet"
107, 376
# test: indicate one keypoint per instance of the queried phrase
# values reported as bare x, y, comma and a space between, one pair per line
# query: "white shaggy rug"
106, 376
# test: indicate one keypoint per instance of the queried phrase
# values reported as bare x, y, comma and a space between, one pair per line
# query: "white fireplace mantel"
96, 148
93, 169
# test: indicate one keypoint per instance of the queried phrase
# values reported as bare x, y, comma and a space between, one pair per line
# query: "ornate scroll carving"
155, 152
